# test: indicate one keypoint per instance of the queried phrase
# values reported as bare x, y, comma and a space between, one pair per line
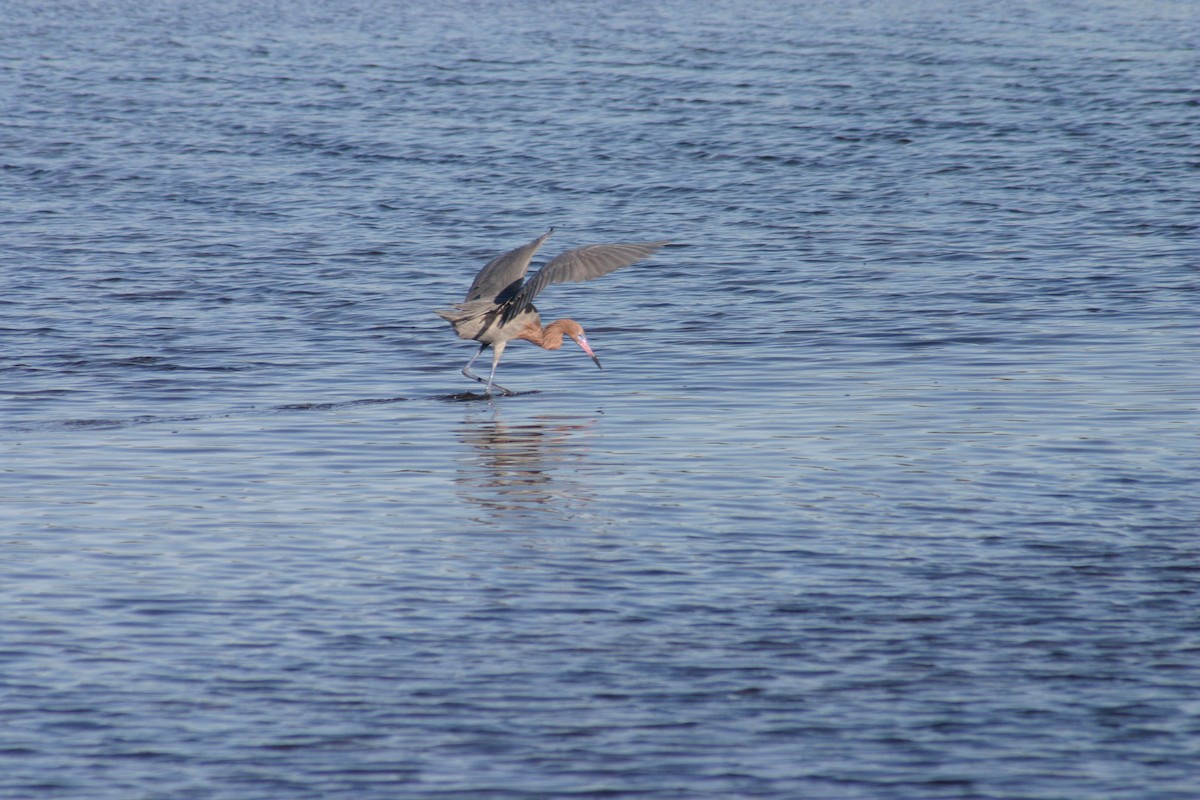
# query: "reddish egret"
499, 306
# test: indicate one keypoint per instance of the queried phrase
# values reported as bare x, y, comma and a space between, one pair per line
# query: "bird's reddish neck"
549, 337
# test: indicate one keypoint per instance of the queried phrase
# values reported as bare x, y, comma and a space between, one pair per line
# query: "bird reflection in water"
528, 469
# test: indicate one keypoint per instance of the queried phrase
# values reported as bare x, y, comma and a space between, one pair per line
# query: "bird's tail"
464, 312
467, 318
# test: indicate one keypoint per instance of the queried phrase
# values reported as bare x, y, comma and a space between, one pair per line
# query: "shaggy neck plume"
551, 336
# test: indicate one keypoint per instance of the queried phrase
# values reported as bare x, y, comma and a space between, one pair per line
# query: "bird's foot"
490, 386
501, 389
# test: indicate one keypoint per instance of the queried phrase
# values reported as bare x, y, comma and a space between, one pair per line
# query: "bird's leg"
497, 351
490, 380
467, 369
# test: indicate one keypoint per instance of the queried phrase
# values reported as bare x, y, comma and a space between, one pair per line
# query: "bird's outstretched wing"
582, 264
501, 278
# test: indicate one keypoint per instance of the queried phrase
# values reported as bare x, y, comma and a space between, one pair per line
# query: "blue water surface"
888, 488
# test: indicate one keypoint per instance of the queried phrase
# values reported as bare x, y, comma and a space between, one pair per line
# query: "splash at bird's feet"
466, 397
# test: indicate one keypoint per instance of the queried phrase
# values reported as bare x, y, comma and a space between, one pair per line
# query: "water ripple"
887, 488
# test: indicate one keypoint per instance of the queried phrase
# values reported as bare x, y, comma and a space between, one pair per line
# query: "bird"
498, 307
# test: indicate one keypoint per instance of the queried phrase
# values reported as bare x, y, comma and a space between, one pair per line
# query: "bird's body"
499, 306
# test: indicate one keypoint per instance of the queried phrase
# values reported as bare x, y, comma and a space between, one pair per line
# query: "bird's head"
573, 329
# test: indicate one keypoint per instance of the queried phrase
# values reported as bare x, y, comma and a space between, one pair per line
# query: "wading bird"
499, 305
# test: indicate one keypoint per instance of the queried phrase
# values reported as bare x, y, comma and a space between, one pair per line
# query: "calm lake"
889, 487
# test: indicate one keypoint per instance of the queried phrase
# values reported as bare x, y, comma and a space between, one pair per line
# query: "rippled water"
888, 488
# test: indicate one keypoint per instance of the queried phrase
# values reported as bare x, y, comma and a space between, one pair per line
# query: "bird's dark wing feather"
501, 278
582, 264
